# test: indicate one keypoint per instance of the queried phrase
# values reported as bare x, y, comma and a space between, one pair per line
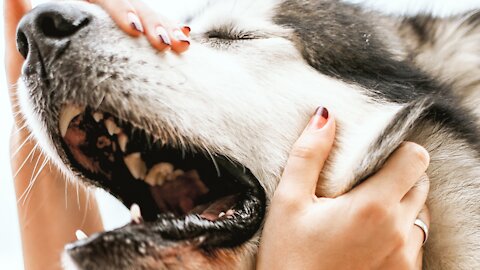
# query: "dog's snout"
47, 24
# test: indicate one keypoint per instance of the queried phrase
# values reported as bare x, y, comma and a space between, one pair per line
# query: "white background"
10, 246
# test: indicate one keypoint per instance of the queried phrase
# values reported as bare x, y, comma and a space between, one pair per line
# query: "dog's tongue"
76, 139
179, 195
219, 208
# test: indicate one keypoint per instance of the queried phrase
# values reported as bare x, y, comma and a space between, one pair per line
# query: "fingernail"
179, 35
135, 22
163, 35
186, 30
319, 118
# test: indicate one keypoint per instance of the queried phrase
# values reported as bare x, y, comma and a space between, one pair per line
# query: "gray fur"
447, 48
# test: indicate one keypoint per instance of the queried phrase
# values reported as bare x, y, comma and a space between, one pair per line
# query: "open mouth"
184, 194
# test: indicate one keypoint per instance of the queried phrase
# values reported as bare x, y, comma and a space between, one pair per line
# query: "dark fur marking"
416, 115
334, 46
474, 19
421, 26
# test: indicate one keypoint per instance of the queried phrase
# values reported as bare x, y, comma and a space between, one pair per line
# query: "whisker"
24, 125
30, 181
87, 202
33, 180
66, 194
25, 161
213, 160
22, 145
78, 195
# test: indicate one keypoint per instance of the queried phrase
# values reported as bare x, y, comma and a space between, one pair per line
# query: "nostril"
22, 44
55, 25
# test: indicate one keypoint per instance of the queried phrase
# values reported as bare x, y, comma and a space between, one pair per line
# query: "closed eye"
231, 34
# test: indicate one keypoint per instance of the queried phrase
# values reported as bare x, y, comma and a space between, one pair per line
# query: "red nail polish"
186, 29
319, 118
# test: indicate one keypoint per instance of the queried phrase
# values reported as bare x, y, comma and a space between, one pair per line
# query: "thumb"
308, 155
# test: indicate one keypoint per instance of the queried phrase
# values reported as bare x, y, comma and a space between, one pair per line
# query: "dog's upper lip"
37, 63
227, 230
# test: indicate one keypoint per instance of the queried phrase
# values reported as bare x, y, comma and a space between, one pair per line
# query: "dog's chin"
189, 209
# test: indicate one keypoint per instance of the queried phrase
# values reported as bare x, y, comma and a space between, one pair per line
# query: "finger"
124, 15
180, 41
400, 172
414, 200
417, 236
13, 11
159, 31
308, 155
186, 30
155, 26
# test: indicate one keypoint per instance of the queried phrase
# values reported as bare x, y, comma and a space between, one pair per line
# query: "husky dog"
197, 141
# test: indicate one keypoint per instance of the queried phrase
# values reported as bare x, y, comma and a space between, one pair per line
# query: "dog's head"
197, 140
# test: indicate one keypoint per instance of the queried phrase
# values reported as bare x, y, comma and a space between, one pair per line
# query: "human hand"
135, 17
370, 227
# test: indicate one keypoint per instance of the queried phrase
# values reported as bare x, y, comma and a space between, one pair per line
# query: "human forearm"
51, 209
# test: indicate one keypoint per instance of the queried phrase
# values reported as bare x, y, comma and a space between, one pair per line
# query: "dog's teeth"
135, 164
122, 142
112, 128
80, 235
66, 116
135, 213
151, 179
176, 174
221, 214
97, 116
172, 175
159, 173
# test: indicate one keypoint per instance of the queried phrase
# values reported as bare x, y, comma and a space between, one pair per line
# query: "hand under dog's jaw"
184, 195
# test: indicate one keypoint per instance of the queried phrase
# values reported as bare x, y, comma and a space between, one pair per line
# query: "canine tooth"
66, 116
112, 128
122, 142
97, 116
80, 235
135, 213
159, 173
221, 214
135, 164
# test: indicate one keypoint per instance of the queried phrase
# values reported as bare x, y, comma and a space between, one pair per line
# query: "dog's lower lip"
225, 212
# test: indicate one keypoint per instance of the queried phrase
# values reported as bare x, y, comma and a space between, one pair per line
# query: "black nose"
48, 24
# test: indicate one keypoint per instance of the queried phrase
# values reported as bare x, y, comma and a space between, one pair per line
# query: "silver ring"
424, 227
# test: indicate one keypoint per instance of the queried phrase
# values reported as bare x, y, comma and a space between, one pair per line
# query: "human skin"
370, 227
55, 208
